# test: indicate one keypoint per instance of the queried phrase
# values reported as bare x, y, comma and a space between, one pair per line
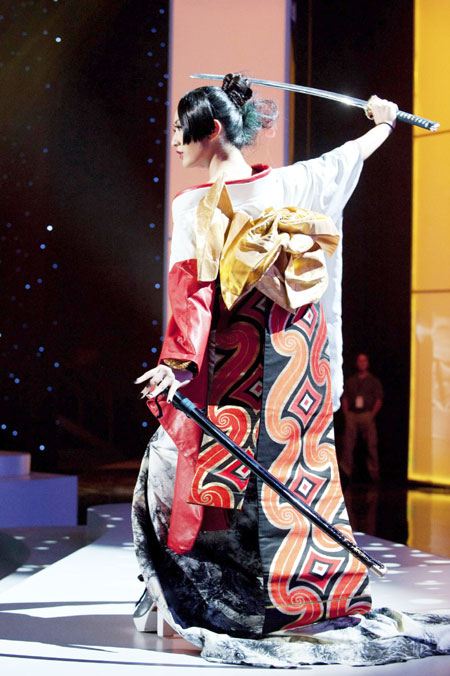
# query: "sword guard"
368, 111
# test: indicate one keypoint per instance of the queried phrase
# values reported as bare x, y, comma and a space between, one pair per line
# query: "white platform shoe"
147, 618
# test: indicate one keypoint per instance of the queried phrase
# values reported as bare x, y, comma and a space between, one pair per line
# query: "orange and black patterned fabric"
308, 577
270, 393
234, 402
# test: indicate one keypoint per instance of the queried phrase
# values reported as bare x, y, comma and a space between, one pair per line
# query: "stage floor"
75, 616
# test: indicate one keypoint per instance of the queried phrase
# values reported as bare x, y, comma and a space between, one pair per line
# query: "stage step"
14, 463
38, 499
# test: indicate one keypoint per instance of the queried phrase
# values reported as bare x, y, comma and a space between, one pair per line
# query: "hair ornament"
237, 89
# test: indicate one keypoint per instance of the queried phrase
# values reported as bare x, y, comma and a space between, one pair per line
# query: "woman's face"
193, 154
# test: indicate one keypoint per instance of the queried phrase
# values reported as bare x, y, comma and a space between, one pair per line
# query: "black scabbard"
188, 408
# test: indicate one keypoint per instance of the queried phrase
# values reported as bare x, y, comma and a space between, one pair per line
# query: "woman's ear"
217, 129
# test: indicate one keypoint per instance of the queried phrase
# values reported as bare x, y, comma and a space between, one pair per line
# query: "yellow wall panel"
431, 198
429, 439
427, 520
430, 377
432, 61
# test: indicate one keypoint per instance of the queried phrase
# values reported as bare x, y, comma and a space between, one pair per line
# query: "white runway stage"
75, 616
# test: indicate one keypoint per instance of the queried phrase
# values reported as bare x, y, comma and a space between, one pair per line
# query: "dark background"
83, 137
360, 49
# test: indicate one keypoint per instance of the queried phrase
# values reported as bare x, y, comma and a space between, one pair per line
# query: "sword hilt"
418, 121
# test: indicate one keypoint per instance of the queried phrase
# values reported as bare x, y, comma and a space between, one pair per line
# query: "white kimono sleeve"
325, 184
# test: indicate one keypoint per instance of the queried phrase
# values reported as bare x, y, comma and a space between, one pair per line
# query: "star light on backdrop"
82, 168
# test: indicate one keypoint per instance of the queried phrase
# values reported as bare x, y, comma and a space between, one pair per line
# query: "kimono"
218, 550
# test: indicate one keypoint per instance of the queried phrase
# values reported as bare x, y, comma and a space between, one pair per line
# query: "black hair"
241, 117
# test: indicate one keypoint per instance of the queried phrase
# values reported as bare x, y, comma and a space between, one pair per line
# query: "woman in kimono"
220, 553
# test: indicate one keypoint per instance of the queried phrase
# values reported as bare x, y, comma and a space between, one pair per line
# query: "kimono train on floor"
217, 549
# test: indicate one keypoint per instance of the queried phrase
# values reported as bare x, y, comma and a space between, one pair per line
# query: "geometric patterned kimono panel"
308, 577
234, 401
271, 394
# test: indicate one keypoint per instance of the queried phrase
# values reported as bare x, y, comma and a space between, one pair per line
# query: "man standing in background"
361, 401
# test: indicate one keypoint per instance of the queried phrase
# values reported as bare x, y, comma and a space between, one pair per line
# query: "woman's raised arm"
384, 114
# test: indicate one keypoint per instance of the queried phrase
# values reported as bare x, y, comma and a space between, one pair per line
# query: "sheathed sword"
409, 118
191, 411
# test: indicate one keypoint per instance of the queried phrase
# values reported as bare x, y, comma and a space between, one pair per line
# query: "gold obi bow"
281, 252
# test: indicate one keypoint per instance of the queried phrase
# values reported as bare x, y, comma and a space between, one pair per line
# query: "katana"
409, 118
188, 408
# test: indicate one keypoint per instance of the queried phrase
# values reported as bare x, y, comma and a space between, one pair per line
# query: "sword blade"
298, 89
409, 118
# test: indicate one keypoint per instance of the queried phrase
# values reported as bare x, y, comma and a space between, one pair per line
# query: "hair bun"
237, 89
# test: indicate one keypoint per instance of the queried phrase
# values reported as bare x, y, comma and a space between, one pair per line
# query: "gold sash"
281, 252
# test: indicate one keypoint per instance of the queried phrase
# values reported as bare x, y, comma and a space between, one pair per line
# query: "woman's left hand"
161, 378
